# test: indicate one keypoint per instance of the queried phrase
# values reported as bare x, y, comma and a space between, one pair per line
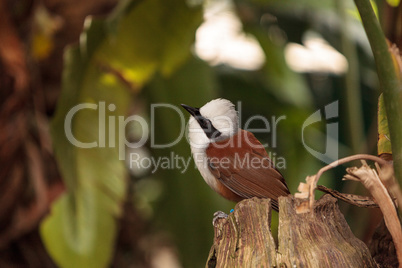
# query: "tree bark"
318, 239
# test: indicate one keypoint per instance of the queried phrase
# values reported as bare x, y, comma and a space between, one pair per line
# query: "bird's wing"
248, 172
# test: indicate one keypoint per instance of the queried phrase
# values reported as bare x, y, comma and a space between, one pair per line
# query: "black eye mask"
204, 123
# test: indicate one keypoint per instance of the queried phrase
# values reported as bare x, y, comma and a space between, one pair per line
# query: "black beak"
205, 124
193, 111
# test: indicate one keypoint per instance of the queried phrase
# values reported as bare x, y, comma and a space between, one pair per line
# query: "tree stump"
318, 239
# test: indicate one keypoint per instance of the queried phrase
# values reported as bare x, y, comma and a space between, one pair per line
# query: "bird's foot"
218, 215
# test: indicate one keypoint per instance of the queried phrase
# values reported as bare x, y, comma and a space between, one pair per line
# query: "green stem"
389, 82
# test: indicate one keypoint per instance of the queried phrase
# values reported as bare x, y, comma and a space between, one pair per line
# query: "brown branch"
370, 179
337, 163
356, 200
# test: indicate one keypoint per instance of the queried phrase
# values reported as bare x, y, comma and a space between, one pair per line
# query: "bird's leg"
218, 215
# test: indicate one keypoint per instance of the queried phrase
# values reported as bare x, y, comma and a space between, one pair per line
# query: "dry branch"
370, 179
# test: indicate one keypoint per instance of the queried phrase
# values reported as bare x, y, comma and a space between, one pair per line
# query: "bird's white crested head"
223, 116
216, 120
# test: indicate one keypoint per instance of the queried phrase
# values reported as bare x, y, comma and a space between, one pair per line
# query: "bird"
231, 160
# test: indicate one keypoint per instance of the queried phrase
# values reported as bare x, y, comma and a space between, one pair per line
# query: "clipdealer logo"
331, 111
112, 134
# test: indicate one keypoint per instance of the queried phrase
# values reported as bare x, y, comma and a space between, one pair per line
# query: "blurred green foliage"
143, 53
384, 143
81, 227
114, 56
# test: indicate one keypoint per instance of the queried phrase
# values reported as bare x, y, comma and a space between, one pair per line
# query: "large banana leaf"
114, 55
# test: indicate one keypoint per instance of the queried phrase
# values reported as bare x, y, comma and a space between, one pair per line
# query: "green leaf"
384, 142
393, 3
155, 35
81, 228
114, 55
